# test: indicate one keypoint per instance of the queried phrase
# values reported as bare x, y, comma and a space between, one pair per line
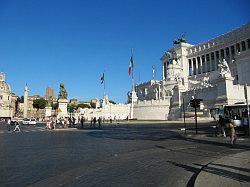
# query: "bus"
238, 113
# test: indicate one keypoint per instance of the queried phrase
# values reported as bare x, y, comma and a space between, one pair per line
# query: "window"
199, 65
213, 61
222, 53
1, 97
243, 45
207, 57
190, 67
203, 64
217, 54
248, 43
237, 47
232, 50
208, 62
227, 52
212, 56
194, 65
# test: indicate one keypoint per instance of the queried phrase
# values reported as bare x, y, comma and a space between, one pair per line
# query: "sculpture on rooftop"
62, 92
181, 39
224, 69
172, 57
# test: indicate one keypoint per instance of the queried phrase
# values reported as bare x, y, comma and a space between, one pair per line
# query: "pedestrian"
233, 136
222, 125
99, 122
66, 122
8, 124
82, 121
94, 120
47, 124
73, 121
62, 123
91, 121
17, 127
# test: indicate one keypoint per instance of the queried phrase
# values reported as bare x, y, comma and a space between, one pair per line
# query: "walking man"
17, 127
82, 121
233, 136
221, 124
99, 122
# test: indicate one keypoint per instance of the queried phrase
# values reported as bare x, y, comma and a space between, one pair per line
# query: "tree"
83, 106
71, 108
112, 102
39, 103
54, 106
20, 99
93, 105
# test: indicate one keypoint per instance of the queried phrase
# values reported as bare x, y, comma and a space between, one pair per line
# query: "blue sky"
43, 43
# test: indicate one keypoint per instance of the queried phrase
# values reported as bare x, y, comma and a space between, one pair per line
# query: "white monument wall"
151, 110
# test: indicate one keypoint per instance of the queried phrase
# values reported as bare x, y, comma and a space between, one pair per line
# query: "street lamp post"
184, 115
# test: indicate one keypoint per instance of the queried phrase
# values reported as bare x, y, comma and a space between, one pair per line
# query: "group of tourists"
62, 122
94, 120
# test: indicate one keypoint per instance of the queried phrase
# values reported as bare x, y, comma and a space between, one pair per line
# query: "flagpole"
104, 85
133, 83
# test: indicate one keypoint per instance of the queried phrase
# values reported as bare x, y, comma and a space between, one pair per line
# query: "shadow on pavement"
232, 167
223, 172
202, 141
135, 134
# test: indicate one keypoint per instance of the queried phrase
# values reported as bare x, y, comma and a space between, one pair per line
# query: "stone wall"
152, 110
113, 111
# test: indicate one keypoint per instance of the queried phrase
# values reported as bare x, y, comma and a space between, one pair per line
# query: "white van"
28, 121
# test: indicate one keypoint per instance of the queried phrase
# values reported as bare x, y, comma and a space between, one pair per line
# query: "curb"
232, 170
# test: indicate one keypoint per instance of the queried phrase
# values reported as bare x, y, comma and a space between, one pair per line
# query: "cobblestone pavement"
115, 155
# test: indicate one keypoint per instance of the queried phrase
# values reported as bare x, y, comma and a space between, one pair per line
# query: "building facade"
49, 94
6, 102
214, 71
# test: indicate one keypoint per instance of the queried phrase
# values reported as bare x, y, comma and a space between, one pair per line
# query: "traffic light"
192, 103
195, 103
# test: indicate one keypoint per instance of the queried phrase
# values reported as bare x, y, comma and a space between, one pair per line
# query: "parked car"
28, 121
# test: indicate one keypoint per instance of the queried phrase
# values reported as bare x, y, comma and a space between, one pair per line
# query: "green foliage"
39, 103
20, 99
83, 106
54, 106
112, 102
93, 105
71, 108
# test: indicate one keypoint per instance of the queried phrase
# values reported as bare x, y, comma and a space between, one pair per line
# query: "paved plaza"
125, 154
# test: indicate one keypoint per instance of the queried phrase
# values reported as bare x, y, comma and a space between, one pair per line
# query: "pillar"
25, 104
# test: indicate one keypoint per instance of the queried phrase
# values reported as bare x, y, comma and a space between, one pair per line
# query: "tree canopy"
39, 103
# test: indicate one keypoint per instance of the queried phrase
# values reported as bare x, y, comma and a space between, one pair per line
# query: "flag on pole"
102, 78
131, 65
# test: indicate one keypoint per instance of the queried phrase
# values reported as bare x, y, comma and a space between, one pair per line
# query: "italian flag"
131, 65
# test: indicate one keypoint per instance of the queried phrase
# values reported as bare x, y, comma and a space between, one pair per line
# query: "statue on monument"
172, 57
224, 69
181, 39
62, 92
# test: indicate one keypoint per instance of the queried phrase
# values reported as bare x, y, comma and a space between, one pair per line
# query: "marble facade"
214, 71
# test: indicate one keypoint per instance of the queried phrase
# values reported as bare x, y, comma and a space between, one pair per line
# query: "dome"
4, 87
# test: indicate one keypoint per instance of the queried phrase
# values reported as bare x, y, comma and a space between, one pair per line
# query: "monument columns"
25, 103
